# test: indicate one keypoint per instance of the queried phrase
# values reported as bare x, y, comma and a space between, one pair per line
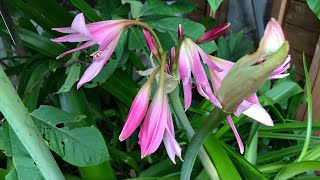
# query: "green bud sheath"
245, 78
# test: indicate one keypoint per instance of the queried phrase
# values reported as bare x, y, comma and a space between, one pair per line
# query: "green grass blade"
309, 110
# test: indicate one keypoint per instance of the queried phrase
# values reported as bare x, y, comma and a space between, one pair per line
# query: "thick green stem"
21, 122
184, 121
214, 119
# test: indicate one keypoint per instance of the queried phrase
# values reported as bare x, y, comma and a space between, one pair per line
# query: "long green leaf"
195, 144
297, 168
222, 161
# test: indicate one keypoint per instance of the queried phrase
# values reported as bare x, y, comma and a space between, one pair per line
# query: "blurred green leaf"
214, 4
135, 7
36, 42
81, 146
315, 7
84, 7
121, 86
161, 169
32, 89
73, 73
282, 91
3, 173
136, 40
233, 48
156, 7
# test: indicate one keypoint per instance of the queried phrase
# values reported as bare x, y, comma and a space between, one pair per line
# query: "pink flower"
213, 34
157, 124
189, 62
249, 106
104, 33
272, 39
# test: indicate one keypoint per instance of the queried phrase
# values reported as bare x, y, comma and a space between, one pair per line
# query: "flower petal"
64, 30
137, 111
213, 33
79, 24
83, 46
236, 134
157, 123
172, 146
75, 37
96, 66
258, 113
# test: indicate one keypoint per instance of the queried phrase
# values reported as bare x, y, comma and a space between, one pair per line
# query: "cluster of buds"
233, 85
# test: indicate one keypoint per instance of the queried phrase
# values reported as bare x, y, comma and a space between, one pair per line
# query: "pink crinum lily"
250, 106
189, 63
157, 122
104, 33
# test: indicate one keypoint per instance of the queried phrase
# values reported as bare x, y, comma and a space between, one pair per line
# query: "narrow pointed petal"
157, 123
200, 76
213, 34
279, 76
180, 31
185, 74
258, 113
150, 42
83, 46
64, 30
236, 134
206, 59
172, 55
93, 70
172, 146
79, 24
76, 37
137, 111
187, 94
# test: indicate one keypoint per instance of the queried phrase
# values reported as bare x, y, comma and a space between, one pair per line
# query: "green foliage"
80, 146
234, 48
315, 7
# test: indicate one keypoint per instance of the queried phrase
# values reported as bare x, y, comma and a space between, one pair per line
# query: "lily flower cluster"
156, 119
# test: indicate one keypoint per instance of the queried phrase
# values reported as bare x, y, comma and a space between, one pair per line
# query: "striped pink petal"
83, 46
75, 37
185, 74
137, 111
152, 131
236, 134
213, 34
172, 146
150, 42
79, 24
96, 66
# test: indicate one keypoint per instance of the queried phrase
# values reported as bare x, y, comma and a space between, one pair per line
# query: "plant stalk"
184, 121
22, 124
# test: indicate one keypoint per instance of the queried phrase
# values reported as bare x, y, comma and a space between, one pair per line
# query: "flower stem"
22, 124
184, 121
